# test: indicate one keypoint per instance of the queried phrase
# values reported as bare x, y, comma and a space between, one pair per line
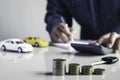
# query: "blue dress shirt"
96, 17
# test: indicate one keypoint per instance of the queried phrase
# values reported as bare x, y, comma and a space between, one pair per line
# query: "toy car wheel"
20, 50
36, 44
3, 48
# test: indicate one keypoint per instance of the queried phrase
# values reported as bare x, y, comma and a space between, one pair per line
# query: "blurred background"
23, 18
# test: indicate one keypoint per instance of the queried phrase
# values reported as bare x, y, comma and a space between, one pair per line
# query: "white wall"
22, 18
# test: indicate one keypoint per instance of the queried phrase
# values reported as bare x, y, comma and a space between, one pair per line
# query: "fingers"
55, 38
102, 39
107, 39
61, 34
64, 28
112, 38
116, 47
72, 33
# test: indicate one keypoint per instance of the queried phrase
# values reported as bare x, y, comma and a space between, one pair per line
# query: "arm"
56, 9
57, 30
112, 39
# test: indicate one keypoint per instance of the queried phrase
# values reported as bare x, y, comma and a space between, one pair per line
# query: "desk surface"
38, 65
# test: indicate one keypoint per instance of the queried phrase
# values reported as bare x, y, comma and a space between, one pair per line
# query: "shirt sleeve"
55, 10
117, 28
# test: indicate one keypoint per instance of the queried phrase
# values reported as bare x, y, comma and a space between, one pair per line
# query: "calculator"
92, 49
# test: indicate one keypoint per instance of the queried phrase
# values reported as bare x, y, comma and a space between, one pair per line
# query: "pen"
66, 25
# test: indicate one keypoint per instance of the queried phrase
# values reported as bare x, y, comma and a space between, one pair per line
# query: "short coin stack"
59, 66
87, 70
74, 69
99, 71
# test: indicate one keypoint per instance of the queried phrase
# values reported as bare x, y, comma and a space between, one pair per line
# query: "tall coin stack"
59, 67
87, 70
74, 69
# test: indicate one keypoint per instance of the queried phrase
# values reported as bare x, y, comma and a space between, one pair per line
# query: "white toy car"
16, 45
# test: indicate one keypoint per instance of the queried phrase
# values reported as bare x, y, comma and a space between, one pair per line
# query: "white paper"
68, 45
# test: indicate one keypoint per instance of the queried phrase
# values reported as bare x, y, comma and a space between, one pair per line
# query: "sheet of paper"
68, 45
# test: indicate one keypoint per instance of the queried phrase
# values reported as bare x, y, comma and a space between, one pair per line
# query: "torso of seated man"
96, 17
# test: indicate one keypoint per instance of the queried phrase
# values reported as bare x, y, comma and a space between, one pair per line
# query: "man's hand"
61, 33
111, 40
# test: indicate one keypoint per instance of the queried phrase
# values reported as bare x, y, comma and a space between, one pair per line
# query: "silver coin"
59, 66
74, 69
99, 71
87, 70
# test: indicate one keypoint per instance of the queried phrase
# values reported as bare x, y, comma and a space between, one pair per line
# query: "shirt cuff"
50, 26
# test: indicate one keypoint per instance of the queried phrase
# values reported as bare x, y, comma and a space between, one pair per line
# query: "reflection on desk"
14, 57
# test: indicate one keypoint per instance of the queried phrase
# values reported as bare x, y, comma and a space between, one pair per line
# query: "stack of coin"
87, 70
74, 69
99, 71
59, 66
